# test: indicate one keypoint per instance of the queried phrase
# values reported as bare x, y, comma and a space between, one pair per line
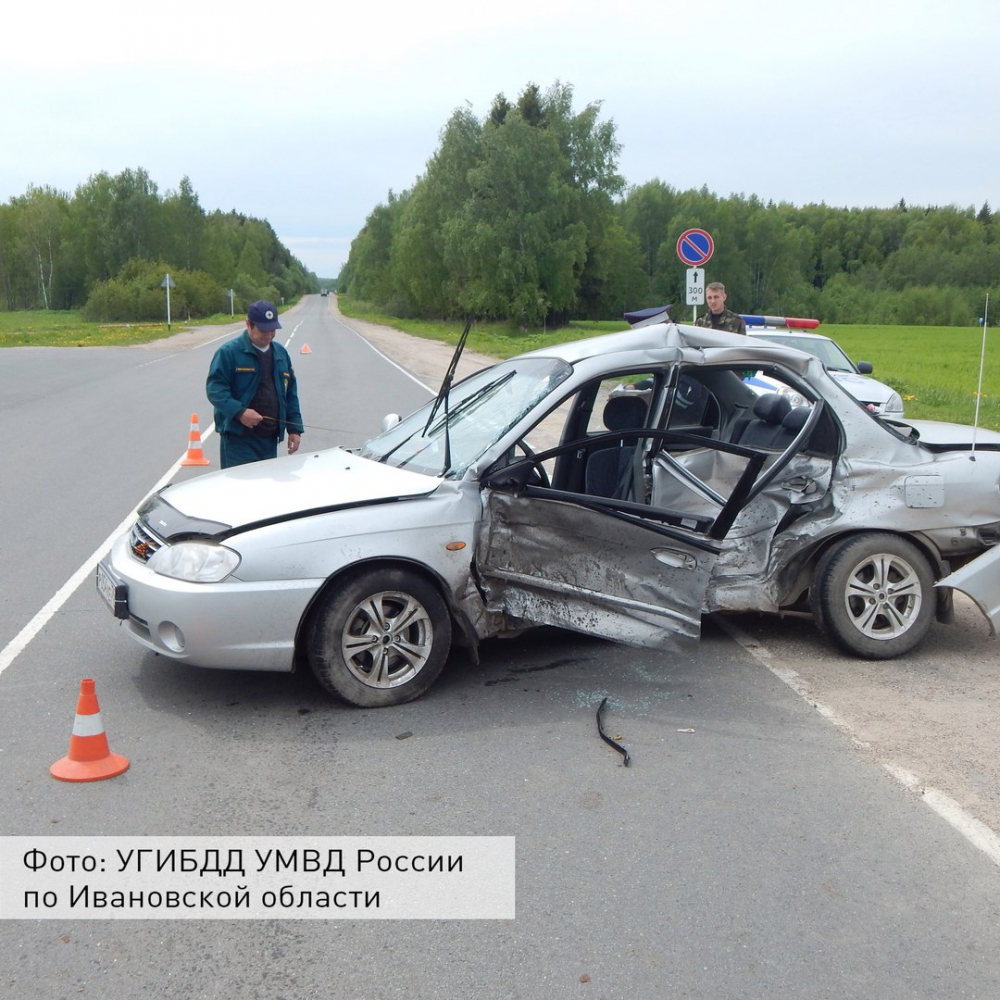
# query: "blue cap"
264, 316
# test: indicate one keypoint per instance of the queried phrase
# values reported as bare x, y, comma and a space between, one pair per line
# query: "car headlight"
194, 562
894, 404
793, 397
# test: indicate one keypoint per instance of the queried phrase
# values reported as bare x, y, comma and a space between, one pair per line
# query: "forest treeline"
107, 248
522, 215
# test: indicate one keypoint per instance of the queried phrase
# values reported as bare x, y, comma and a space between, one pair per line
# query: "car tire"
380, 638
873, 594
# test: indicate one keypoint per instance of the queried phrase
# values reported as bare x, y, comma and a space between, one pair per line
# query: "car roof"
665, 342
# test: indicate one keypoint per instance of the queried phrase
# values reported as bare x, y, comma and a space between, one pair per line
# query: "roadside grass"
51, 328
934, 368
498, 340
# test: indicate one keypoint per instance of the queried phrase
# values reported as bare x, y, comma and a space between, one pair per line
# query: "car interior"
679, 440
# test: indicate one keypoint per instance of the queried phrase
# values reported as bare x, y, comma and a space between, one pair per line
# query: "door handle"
675, 558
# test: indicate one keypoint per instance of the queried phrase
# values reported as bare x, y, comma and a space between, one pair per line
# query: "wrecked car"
621, 486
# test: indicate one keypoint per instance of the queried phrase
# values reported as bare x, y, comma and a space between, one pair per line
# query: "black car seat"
764, 430
793, 422
609, 470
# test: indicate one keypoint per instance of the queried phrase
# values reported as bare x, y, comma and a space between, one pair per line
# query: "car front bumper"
229, 625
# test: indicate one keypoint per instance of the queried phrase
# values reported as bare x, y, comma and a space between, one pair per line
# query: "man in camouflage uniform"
718, 316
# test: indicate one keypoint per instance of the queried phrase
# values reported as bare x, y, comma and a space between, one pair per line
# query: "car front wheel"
873, 594
381, 638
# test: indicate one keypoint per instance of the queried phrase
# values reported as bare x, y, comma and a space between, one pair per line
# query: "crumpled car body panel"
980, 579
875, 478
554, 563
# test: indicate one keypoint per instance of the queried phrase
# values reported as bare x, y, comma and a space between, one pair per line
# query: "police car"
855, 378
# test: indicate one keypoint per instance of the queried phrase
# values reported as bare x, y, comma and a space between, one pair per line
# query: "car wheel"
380, 638
873, 594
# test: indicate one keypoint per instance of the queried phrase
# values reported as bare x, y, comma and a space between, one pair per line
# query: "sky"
308, 115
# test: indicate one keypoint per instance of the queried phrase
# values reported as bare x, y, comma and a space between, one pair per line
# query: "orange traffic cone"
194, 456
305, 349
89, 758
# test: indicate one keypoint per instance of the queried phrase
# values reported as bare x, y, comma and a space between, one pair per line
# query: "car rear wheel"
380, 638
873, 594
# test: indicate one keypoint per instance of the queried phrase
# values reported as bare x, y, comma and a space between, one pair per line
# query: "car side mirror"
865, 367
389, 421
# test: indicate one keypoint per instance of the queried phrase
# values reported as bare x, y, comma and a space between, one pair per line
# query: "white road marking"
978, 834
385, 357
20, 642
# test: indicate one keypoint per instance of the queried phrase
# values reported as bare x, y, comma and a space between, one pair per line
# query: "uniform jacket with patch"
232, 383
726, 320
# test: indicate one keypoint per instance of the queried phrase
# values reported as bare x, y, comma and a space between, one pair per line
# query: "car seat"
609, 470
765, 429
792, 423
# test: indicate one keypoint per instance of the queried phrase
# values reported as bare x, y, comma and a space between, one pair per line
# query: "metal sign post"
167, 283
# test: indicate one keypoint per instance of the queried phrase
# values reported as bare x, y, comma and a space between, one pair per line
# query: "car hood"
868, 390
937, 433
279, 487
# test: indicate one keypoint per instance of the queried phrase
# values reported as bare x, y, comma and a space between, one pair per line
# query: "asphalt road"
752, 849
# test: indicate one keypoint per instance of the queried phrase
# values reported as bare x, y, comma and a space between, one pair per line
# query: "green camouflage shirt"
726, 320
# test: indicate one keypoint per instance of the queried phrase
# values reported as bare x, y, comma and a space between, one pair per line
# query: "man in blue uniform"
253, 389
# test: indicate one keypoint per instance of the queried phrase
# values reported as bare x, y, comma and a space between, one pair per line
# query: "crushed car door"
572, 537
560, 562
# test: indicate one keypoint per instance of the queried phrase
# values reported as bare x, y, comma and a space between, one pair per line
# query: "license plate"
114, 592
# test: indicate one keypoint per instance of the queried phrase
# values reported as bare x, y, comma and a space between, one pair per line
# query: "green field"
53, 328
934, 368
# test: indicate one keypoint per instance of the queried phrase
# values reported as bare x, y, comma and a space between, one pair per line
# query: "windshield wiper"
478, 394
443, 393
449, 414
449, 376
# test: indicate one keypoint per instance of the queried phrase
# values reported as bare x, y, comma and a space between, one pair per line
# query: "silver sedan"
623, 486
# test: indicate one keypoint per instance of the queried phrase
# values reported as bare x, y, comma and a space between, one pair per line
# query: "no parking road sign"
695, 247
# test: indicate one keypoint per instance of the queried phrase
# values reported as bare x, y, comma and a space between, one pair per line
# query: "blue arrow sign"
695, 247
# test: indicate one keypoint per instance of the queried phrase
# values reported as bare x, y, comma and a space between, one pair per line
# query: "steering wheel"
529, 454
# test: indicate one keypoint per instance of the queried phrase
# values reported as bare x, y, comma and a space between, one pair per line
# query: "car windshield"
833, 358
480, 411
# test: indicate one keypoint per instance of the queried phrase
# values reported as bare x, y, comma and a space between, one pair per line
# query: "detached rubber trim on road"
607, 739
978, 834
